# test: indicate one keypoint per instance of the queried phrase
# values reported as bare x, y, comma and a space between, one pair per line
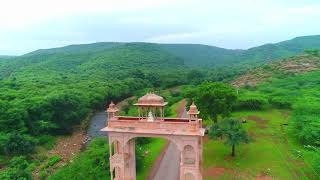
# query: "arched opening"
148, 149
116, 173
189, 176
188, 155
115, 147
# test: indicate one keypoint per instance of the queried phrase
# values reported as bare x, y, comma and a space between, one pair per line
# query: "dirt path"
169, 165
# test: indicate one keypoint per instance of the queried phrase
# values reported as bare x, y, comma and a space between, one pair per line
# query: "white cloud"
17, 13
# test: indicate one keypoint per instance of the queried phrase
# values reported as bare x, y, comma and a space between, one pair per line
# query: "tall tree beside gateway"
232, 132
214, 99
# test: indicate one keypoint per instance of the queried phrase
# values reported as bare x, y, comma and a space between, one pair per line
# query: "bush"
316, 160
18, 168
54, 160
93, 163
16, 144
47, 141
251, 101
143, 140
306, 122
280, 102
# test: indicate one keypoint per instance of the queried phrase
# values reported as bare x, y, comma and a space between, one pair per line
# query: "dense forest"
47, 93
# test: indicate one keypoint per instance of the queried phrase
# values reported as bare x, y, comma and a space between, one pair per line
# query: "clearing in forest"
270, 155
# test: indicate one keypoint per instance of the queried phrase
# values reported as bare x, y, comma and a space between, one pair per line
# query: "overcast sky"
27, 25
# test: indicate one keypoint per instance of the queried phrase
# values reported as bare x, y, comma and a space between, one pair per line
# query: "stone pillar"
116, 145
123, 161
190, 167
130, 160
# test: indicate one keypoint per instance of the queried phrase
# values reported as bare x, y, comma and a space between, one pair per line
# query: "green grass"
173, 109
154, 148
268, 153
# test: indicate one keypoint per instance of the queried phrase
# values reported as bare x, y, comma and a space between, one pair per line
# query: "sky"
29, 25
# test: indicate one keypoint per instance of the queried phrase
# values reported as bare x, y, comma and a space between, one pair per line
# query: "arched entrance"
185, 133
189, 176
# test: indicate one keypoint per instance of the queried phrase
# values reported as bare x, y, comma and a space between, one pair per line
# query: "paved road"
169, 166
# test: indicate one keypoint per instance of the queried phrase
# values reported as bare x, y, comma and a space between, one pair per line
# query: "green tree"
16, 144
18, 169
232, 132
214, 99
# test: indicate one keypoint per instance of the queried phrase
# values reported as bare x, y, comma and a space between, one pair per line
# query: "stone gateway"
185, 133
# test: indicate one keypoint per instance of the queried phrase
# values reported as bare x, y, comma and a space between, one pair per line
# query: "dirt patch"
205, 138
228, 158
263, 176
294, 65
67, 147
215, 172
298, 67
251, 78
261, 123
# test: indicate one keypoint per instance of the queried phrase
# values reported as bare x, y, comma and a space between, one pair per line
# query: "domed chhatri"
112, 108
151, 99
151, 104
193, 109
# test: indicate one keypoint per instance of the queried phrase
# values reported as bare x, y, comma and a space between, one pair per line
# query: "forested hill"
49, 91
269, 52
195, 54
202, 55
191, 54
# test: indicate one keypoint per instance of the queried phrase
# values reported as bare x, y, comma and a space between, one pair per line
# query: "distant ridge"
203, 55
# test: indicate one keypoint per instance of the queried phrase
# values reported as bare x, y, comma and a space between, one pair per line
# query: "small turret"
193, 112
112, 110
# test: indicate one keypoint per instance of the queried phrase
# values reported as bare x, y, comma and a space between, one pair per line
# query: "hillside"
269, 52
191, 54
287, 67
49, 92
202, 55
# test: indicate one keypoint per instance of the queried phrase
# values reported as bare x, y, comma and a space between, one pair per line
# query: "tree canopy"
231, 131
214, 99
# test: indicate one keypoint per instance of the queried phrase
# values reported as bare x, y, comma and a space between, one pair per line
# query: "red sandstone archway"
185, 133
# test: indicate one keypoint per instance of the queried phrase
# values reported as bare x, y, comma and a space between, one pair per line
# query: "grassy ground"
173, 109
154, 149
268, 155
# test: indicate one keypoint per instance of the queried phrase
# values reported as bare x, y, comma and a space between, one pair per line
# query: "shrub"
16, 144
251, 101
93, 163
18, 168
280, 102
47, 141
54, 160
316, 160
306, 122
143, 140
